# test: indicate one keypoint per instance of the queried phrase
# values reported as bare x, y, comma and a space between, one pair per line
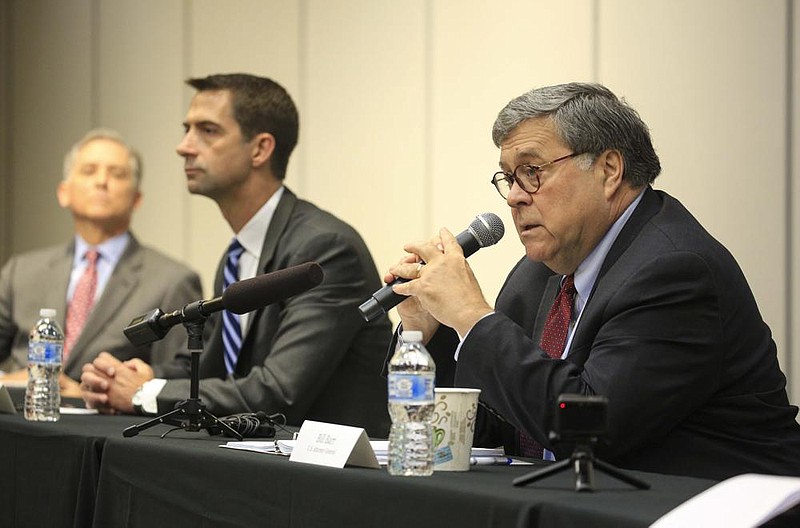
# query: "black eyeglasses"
526, 176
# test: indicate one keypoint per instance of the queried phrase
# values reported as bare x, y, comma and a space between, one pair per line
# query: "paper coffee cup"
454, 427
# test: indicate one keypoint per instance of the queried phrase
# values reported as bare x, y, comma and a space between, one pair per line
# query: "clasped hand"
108, 384
441, 288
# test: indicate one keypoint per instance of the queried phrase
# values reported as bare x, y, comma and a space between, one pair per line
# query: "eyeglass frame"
535, 169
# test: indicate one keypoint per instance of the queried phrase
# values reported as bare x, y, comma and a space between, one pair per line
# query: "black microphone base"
189, 415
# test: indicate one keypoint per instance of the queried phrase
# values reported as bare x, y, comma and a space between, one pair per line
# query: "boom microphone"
486, 230
240, 297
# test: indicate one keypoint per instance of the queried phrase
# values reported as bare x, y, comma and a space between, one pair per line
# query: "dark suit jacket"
311, 356
671, 335
143, 280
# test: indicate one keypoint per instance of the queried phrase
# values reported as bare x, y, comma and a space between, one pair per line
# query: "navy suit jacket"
670, 334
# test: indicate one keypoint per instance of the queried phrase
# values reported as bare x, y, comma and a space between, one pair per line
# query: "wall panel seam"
94, 64
595, 40
7, 164
428, 147
186, 69
303, 60
790, 205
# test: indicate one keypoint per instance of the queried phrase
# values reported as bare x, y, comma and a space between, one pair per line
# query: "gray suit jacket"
670, 334
143, 279
311, 356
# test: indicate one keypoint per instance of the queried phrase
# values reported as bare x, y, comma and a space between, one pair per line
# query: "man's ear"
263, 145
137, 200
612, 166
62, 193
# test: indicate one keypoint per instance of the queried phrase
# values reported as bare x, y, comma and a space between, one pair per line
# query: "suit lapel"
55, 292
280, 219
648, 207
277, 226
549, 297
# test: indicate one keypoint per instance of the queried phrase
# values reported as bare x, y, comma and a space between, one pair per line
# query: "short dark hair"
259, 105
589, 118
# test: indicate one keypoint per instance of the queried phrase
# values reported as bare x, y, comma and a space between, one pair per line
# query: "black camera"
580, 420
578, 416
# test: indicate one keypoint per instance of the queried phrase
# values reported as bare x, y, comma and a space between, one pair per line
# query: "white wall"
397, 100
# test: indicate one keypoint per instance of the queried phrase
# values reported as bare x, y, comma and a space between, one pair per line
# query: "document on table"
270, 447
77, 410
480, 456
741, 501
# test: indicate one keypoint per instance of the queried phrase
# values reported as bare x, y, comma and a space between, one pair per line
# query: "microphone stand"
583, 462
189, 414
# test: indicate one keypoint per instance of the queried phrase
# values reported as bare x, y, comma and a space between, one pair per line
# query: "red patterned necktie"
82, 302
554, 338
556, 327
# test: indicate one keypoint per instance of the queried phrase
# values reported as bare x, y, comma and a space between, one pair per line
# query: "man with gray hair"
103, 278
622, 294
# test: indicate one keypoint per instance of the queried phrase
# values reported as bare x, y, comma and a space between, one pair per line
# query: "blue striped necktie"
231, 324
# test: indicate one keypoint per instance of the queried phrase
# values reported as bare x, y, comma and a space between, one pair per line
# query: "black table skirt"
81, 472
187, 480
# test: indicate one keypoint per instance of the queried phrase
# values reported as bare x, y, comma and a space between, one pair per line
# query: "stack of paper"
260, 446
742, 501
480, 456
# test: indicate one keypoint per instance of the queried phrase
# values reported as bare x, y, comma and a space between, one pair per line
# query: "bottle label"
411, 388
45, 352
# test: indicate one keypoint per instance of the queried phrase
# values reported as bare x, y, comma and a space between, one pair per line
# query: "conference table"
82, 472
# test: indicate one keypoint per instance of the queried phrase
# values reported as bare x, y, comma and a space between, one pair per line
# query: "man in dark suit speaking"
95, 297
309, 357
622, 294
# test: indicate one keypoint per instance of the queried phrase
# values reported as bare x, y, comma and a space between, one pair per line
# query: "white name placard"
333, 445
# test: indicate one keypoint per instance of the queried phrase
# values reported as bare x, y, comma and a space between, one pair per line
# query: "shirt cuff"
150, 392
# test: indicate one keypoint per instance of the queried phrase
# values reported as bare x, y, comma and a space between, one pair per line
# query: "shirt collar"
252, 235
111, 249
586, 274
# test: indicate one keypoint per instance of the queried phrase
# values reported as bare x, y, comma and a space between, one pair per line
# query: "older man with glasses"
622, 294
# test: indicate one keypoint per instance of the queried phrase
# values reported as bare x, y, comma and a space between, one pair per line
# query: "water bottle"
45, 346
412, 374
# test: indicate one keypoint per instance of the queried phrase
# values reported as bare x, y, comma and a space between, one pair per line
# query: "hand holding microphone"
447, 289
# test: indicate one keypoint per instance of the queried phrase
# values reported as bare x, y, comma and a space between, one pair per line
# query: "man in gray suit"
100, 187
308, 357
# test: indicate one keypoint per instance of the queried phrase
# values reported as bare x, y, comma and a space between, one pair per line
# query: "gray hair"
134, 159
590, 119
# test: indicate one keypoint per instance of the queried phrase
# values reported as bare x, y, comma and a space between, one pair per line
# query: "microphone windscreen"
488, 229
251, 294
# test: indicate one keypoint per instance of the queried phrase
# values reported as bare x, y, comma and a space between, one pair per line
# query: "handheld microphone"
485, 230
240, 297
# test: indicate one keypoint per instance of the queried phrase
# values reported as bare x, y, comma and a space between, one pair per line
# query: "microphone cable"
251, 425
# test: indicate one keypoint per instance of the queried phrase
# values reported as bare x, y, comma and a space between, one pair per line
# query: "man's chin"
194, 187
536, 254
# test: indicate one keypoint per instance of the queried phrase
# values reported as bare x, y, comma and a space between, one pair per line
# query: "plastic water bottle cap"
412, 336
47, 312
